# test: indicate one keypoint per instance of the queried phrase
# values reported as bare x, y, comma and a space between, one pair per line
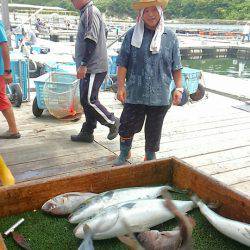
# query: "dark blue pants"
132, 120
93, 109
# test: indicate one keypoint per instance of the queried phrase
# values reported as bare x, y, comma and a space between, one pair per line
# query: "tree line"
199, 9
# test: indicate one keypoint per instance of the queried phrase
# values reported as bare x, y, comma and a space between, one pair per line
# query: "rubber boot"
149, 156
83, 136
113, 129
125, 147
5, 175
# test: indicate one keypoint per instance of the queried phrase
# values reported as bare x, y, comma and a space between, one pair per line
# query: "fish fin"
20, 240
195, 199
214, 205
87, 243
175, 189
128, 205
133, 228
127, 241
248, 231
165, 194
108, 194
112, 220
88, 200
138, 229
247, 234
131, 242
131, 238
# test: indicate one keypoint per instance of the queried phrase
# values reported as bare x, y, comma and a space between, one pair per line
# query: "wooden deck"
211, 135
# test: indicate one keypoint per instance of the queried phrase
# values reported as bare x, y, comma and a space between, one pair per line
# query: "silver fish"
236, 230
92, 206
140, 215
66, 203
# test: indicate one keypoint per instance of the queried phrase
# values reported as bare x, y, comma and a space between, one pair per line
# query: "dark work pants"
93, 109
132, 120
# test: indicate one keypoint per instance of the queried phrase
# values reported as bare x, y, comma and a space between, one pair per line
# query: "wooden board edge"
32, 194
232, 204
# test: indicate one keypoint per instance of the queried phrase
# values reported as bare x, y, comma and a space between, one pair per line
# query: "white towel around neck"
139, 31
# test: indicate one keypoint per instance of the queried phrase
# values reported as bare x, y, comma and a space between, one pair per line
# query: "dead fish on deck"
180, 238
92, 206
66, 203
138, 214
236, 230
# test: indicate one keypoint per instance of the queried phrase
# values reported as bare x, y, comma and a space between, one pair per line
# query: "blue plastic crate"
36, 49
70, 68
58, 80
190, 80
190, 77
112, 65
20, 71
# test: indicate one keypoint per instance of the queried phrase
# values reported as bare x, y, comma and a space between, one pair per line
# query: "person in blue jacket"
148, 61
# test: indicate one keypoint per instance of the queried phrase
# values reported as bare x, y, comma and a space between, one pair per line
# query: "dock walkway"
199, 47
211, 135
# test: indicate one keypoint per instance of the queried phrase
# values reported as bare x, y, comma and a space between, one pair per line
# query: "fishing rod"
28, 19
117, 39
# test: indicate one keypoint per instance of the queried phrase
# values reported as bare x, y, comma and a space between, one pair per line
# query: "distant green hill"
199, 9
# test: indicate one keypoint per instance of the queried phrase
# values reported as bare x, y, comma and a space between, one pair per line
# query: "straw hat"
141, 4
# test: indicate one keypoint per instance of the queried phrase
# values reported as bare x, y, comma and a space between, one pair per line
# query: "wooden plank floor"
210, 135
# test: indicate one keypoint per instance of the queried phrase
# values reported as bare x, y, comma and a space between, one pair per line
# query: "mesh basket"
62, 96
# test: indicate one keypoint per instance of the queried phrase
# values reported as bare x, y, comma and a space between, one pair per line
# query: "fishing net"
62, 96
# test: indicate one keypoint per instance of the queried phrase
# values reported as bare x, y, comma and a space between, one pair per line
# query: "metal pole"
13, 227
28, 19
6, 19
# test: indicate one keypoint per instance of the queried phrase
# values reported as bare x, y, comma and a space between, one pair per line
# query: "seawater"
218, 27
222, 66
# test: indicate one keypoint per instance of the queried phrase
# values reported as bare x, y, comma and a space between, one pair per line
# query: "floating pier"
203, 52
190, 47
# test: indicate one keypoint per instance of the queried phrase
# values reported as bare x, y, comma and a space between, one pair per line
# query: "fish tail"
211, 205
195, 199
214, 205
87, 243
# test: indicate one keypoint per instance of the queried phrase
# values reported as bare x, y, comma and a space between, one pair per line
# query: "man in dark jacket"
92, 66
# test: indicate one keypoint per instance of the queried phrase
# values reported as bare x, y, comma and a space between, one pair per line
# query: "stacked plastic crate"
20, 71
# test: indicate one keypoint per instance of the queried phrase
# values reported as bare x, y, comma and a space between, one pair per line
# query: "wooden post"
6, 20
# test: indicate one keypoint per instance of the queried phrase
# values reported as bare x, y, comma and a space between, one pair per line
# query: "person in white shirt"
246, 33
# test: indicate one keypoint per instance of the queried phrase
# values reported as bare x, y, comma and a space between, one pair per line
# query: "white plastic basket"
62, 96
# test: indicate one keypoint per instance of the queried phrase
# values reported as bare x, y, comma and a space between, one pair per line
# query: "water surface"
222, 66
